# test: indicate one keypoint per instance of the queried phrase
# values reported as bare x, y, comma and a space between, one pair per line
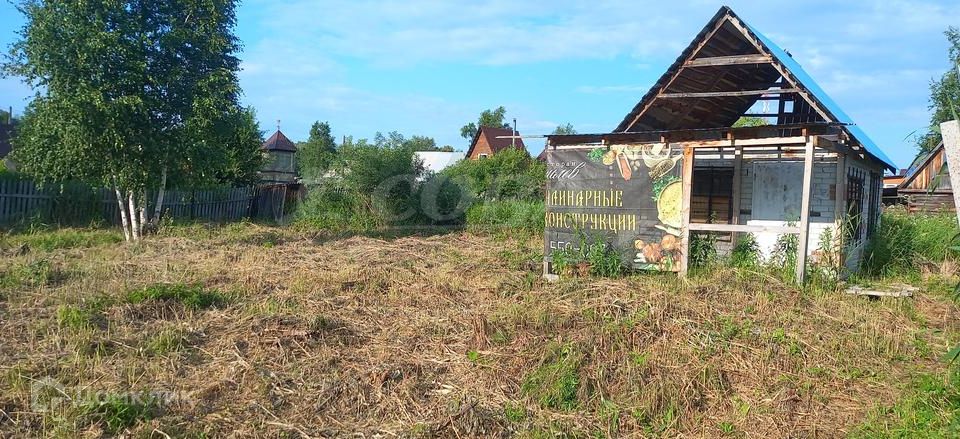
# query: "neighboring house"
676, 168
891, 182
926, 186
281, 160
542, 157
489, 141
436, 161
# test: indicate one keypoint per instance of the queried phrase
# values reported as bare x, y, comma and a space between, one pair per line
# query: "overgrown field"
252, 331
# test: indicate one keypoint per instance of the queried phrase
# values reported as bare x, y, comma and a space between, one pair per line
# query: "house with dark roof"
280, 165
491, 140
676, 169
926, 186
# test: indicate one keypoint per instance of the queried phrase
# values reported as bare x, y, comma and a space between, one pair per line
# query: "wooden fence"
75, 204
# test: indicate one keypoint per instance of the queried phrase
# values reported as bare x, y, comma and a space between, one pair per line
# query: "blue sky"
427, 67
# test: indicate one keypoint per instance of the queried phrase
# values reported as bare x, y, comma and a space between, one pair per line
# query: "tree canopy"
129, 92
315, 155
564, 129
488, 118
944, 94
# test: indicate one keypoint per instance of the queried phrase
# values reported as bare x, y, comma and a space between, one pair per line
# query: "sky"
427, 67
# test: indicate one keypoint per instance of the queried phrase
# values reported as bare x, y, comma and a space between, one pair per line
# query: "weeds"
703, 250
115, 412
746, 252
932, 410
555, 382
165, 342
595, 257
191, 296
80, 317
39, 272
905, 243
49, 240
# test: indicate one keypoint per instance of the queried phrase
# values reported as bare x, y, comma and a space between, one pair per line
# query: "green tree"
750, 121
488, 118
944, 94
131, 94
564, 129
315, 155
421, 143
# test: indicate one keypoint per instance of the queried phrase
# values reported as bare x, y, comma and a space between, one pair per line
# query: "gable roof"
279, 142
729, 55
921, 163
491, 134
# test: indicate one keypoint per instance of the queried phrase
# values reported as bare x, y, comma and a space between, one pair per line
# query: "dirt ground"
454, 335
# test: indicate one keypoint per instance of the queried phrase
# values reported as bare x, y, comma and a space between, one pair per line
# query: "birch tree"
132, 95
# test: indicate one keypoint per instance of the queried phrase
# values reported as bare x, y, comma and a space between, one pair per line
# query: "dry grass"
452, 335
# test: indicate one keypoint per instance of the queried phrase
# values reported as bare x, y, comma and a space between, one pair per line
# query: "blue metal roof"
793, 67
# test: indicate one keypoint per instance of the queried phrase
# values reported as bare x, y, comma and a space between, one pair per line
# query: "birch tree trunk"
143, 211
160, 193
134, 227
123, 214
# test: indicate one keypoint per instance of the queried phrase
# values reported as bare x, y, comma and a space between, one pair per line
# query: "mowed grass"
272, 332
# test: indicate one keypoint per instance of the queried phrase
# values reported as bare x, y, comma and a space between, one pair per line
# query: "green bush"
507, 175
382, 184
905, 242
375, 185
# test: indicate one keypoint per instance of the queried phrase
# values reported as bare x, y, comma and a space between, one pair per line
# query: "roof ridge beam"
716, 94
729, 60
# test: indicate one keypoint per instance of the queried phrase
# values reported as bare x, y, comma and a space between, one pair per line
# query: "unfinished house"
677, 166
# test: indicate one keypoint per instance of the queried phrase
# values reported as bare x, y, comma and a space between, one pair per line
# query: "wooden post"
687, 179
840, 208
736, 193
805, 212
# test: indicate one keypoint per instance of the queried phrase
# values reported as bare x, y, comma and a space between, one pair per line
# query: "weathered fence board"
22, 199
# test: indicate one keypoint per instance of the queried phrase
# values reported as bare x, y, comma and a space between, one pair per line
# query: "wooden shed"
280, 165
674, 166
926, 186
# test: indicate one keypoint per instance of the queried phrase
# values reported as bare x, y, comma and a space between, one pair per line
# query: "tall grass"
906, 242
510, 214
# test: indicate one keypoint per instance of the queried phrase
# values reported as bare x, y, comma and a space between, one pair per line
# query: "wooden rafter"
783, 71
676, 74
